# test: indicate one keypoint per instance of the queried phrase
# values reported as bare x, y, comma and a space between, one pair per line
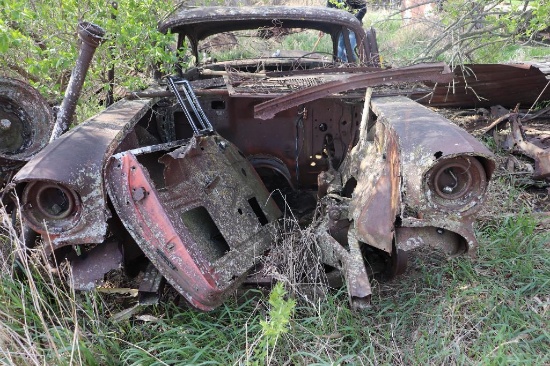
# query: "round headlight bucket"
456, 184
50, 206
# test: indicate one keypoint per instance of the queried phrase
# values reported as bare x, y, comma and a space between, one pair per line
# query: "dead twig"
537, 100
497, 122
536, 115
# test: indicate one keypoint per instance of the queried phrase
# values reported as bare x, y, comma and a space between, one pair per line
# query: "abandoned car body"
190, 175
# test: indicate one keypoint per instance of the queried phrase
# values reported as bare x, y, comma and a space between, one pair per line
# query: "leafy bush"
38, 42
463, 31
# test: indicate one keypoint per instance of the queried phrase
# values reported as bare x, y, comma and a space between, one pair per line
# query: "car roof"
200, 22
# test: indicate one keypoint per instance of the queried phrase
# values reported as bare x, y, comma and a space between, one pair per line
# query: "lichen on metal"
206, 219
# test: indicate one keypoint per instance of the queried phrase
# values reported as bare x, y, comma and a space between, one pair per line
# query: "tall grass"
489, 310
42, 320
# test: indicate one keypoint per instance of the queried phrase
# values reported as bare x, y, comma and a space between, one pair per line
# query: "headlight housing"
456, 184
50, 206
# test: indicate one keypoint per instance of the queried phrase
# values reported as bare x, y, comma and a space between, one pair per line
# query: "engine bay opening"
300, 202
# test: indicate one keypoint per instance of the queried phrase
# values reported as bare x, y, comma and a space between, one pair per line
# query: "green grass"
488, 310
306, 41
514, 53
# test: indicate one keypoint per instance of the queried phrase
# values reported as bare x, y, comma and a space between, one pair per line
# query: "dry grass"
42, 320
295, 262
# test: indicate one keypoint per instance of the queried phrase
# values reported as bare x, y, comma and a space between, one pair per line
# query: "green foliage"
38, 42
280, 314
137, 43
464, 31
470, 27
339, 4
539, 20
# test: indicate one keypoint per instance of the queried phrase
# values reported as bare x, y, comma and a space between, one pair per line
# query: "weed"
280, 313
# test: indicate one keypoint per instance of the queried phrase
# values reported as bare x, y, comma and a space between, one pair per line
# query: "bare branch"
18, 69
37, 40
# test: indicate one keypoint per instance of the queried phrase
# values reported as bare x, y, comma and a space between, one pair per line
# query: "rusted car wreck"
192, 174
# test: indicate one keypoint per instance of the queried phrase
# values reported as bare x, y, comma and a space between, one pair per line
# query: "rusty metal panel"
201, 22
438, 72
331, 68
411, 238
70, 170
350, 261
438, 232
444, 170
278, 137
201, 214
150, 288
89, 270
485, 85
376, 198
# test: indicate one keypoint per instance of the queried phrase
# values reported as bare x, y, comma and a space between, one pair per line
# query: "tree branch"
18, 69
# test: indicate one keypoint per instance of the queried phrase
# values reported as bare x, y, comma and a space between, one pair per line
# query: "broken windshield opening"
273, 42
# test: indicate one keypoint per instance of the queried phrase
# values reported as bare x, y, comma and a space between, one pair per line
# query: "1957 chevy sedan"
192, 174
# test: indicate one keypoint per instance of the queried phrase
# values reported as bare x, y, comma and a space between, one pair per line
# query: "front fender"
411, 150
73, 164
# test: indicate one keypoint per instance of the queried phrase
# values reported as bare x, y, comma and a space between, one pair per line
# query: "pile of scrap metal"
183, 181
509, 133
